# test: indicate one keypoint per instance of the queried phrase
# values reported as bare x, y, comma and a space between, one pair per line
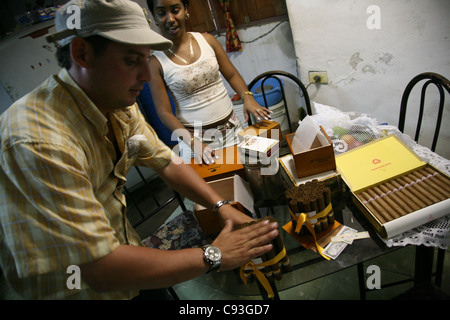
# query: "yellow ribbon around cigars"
260, 275
304, 218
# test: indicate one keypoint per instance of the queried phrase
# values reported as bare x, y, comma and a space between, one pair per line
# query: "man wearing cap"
66, 148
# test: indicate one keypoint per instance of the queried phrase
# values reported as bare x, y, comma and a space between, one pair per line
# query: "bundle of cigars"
311, 197
275, 270
405, 194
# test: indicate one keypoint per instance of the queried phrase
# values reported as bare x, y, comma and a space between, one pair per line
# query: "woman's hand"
204, 155
259, 112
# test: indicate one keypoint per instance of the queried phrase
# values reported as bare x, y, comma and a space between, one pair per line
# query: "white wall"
369, 69
272, 50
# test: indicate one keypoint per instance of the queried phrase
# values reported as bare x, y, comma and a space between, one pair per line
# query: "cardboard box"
233, 189
318, 159
379, 176
265, 128
227, 165
259, 148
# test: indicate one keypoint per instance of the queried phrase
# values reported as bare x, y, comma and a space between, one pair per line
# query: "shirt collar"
87, 107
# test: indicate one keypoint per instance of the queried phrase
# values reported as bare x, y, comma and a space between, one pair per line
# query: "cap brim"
139, 37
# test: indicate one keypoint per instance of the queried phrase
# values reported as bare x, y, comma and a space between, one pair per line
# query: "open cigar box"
234, 189
395, 189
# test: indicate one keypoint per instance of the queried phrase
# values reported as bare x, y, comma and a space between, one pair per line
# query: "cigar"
379, 204
396, 210
293, 205
315, 222
327, 196
411, 196
401, 194
274, 269
400, 199
372, 206
414, 190
321, 206
434, 188
278, 246
268, 272
434, 177
444, 180
412, 180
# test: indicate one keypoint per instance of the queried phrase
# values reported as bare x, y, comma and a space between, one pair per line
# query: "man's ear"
81, 52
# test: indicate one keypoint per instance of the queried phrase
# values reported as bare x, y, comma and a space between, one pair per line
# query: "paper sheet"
305, 135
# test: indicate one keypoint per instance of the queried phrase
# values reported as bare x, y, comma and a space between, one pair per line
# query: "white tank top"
197, 89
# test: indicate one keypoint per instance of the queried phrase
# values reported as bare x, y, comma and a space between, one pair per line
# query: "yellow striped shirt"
61, 200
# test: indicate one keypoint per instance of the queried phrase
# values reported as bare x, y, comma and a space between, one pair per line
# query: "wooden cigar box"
265, 128
395, 189
233, 189
332, 178
227, 165
320, 158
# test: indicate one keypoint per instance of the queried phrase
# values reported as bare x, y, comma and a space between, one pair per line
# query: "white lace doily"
433, 234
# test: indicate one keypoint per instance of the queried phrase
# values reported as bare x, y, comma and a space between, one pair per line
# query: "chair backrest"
146, 203
431, 78
278, 76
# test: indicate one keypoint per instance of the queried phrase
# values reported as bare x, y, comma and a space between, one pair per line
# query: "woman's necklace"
190, 49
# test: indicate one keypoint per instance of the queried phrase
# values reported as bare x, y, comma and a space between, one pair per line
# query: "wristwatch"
213, 256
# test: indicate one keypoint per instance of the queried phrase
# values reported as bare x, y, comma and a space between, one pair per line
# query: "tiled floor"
395, 266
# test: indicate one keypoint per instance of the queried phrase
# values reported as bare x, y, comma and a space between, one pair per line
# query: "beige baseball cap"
123, 21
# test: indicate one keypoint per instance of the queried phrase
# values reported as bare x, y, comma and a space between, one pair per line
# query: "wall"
272, 50
369, 69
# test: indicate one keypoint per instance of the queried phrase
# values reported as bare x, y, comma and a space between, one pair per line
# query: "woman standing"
191, 70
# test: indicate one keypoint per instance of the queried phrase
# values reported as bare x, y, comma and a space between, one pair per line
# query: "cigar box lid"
376, 161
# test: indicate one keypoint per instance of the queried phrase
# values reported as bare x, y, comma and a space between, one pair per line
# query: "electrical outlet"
318, 77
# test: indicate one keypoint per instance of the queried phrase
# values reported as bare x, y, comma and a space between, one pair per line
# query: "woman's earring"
187, 16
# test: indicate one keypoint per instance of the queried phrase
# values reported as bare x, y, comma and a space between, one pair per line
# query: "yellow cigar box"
395, 189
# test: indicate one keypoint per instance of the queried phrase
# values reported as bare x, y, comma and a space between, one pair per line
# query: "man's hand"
242, 245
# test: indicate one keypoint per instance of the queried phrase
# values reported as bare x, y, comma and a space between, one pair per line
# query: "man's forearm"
137, 268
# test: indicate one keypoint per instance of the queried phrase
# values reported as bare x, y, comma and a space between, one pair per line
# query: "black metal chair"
276, 74
147, 213
432, 78
158, 206
441, 83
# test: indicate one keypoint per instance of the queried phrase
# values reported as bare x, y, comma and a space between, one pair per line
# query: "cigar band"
304, 217
259, 275
399, 188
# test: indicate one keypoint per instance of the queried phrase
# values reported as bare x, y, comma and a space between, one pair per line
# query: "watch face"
213, 254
